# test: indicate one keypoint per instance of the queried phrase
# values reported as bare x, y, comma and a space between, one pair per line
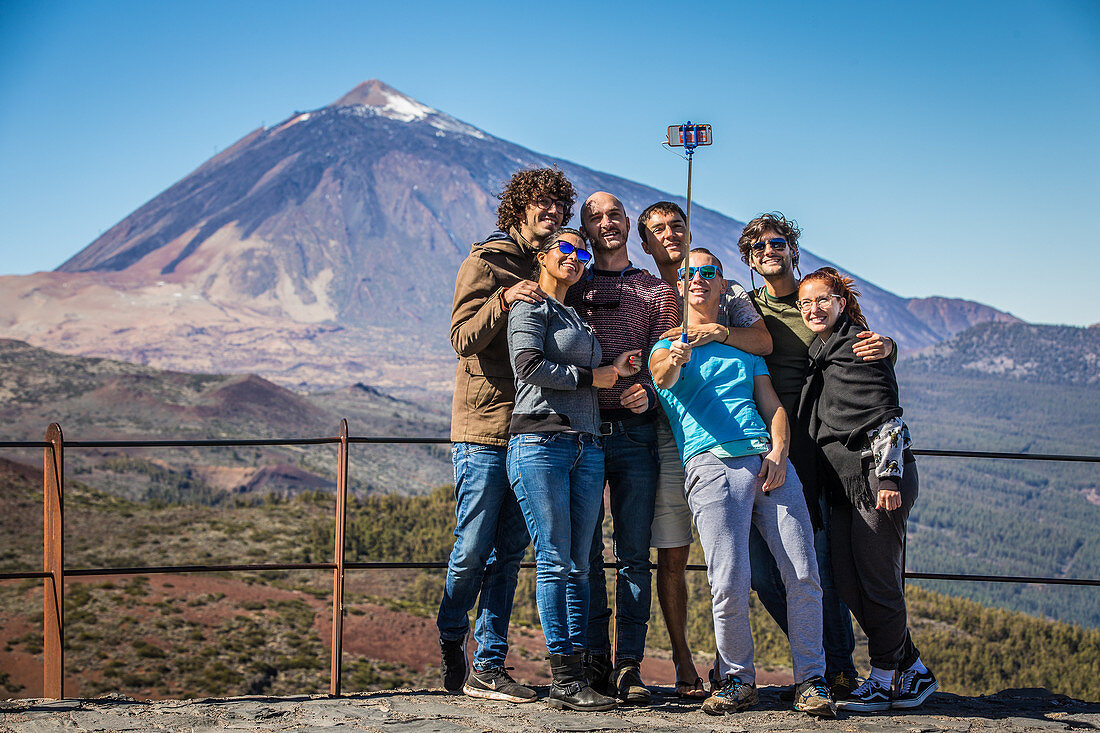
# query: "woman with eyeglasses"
869, 477
733, 437
555, 458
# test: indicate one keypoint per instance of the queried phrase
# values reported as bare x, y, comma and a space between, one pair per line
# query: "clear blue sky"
935, 148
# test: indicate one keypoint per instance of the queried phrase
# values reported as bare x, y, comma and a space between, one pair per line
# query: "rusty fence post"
53, 542
338, 558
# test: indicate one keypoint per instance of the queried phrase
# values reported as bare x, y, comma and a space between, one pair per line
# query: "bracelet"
503, 303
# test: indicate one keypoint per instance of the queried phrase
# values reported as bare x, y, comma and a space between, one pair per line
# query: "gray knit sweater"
553, 352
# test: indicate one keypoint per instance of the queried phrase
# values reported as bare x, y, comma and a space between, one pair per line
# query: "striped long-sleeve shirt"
627, 310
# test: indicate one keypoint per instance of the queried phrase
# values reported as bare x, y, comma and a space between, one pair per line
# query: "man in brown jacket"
490, 533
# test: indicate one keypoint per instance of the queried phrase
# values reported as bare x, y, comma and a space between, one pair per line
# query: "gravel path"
433, 711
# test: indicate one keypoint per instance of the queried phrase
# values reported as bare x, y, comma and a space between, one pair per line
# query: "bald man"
628, 309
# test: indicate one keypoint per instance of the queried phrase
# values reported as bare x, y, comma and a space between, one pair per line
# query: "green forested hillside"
1002, 517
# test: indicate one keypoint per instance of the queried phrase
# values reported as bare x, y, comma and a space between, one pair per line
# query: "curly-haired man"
490, 532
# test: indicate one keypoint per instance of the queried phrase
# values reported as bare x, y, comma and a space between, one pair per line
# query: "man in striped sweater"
628, 309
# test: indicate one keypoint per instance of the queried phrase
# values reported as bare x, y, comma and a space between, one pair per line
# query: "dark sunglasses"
707, 272
583, 255
778, 244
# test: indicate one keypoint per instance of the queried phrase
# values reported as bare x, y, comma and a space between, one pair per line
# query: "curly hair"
525, 186
661, 207
770, 222
839, 285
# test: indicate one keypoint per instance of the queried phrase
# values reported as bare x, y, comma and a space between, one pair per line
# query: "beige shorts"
671, 515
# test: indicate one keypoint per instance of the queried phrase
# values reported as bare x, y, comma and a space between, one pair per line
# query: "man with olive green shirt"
769, 245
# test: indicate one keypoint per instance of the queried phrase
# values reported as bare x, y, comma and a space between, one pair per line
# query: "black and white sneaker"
913, 688
870, 697
454, 664
497, 684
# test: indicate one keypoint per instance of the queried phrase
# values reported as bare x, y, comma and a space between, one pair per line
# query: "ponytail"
844, 287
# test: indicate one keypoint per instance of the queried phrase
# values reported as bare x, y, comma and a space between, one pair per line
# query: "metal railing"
54, 572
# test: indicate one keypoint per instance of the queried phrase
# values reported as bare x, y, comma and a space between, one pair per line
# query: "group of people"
769, 419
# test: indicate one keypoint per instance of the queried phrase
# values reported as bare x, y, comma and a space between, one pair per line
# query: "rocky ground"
432, 711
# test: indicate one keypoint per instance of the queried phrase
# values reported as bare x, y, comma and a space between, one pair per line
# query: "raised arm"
873, 346
665, 363
739, 325
477, 314
481, 303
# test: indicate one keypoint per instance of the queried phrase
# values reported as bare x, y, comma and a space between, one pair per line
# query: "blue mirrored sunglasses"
583, 255
707, 272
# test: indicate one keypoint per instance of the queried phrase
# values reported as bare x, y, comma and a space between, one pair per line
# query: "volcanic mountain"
322, 251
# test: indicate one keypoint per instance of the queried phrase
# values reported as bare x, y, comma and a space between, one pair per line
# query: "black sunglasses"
778, 244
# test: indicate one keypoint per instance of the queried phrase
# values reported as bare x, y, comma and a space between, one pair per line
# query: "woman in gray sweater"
555, 459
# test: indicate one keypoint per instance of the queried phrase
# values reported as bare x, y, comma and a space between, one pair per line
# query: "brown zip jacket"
485, 388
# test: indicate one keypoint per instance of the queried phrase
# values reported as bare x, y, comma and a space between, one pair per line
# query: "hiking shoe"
454, 664
497, 684
842, 684
628, 684
730, 696
869, 697
913, 688
813, 697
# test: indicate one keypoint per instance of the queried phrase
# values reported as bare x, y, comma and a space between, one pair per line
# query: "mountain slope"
100, 399
949, 316
322, 251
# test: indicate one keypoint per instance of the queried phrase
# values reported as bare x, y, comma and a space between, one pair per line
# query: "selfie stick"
689, 137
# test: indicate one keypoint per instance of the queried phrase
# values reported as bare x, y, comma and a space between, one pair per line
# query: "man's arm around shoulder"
477, 314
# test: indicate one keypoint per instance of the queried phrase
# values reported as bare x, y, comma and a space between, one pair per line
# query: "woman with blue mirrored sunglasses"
567, 248
555, 456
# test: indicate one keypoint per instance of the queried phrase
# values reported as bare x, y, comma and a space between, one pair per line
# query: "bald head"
605, 222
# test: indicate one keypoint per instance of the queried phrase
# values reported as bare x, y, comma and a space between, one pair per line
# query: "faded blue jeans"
837, 636
558, 480
490, 539
631, 468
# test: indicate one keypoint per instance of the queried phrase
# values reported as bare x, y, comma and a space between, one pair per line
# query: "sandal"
691, 690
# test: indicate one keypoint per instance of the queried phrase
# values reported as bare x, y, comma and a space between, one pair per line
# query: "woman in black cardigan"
870, 480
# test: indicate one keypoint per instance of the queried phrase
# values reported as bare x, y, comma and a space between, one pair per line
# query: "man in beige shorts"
663, 231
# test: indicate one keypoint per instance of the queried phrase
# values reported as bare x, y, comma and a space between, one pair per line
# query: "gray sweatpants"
725, 502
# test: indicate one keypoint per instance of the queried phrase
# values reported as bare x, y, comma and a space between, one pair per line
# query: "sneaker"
497, 684
813, 697
731, 695
841, 685
455, 664
913, 687
869, 697
629, 687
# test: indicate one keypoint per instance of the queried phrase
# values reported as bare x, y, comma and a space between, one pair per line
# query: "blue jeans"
558, 479
837, 636
490, 539
631, 467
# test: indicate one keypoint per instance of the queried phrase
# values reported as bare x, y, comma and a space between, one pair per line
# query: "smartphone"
689, 135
